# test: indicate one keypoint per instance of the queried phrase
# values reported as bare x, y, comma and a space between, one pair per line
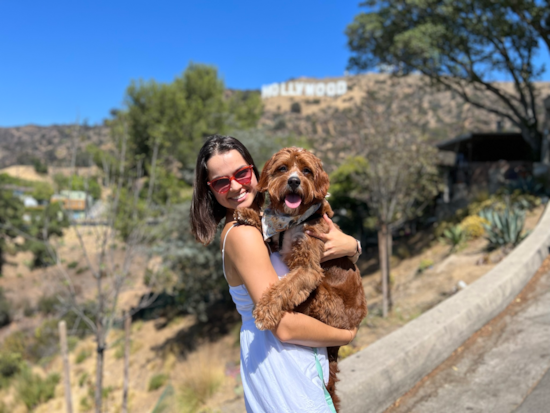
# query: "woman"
278, 367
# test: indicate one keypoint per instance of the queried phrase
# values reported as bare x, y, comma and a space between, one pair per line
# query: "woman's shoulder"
243, 233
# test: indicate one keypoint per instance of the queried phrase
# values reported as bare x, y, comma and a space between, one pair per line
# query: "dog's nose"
293, 182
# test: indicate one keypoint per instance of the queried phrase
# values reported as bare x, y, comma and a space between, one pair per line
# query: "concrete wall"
372, 379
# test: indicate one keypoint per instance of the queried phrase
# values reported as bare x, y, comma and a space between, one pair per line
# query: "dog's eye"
282, 169
306, 171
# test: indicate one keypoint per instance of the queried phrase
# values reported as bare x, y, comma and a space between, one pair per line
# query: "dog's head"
295, 180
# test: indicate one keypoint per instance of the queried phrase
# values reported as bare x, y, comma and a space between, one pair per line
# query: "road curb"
372, 379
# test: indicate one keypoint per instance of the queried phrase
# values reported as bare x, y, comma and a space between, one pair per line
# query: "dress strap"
223, 249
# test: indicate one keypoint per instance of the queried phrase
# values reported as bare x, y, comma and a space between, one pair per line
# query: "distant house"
76, 203
29, 201
483, 161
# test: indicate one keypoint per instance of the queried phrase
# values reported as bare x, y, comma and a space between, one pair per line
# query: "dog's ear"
264, 177
321, 180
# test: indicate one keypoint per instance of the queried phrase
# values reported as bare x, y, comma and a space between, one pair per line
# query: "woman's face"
226, 164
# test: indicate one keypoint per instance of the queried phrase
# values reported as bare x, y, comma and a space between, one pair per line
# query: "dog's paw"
265, 320
247, 216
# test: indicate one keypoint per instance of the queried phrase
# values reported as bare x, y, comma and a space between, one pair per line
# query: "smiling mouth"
240, 197
293, 201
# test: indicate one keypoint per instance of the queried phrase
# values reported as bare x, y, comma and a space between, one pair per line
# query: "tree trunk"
383, 257
66, 370
389, 242
534, 137
127, 326
100, 347
99, 372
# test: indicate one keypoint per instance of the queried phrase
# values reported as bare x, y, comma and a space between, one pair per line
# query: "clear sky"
60, 60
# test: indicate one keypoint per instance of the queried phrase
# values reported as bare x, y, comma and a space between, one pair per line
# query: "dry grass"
202, 375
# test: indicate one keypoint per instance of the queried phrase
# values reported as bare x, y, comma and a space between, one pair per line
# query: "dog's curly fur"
332, 291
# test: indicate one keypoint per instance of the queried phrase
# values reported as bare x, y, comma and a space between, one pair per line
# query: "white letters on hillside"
305, 89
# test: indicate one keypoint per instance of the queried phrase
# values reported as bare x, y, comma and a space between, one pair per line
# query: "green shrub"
33, 390
296, 107
10, 364
5, 309
82, 379
454, 236
82, 355
157, 381
85, 404
28, 310
72, 264
48, 304
504, 228
81, 270
425, 264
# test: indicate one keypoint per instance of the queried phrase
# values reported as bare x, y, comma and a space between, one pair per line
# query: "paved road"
504, 368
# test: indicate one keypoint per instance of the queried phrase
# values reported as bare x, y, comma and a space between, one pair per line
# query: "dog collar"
274, 222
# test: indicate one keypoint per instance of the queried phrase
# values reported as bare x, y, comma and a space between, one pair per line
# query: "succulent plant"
504, 228
454, 236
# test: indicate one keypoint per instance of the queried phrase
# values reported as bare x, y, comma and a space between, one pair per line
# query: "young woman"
279, 368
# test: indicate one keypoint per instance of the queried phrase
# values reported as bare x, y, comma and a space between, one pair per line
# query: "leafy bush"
33, 390
157, 381
473, 226
425, 264
5, 309
504, 229
28, 309
10, 365
82, 355
296, 108
48, 304
85, 404
83, 379
72, 264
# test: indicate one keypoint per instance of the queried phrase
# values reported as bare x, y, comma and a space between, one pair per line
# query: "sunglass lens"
221, 185
244, 176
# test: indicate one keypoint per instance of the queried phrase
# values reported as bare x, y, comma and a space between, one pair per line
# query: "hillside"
447, 115
49, 144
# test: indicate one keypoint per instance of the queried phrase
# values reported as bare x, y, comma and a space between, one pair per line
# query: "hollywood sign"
304, 89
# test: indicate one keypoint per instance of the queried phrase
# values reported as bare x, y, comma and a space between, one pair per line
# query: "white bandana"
274, 222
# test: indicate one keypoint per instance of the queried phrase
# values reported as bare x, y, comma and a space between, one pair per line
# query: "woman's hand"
337, 244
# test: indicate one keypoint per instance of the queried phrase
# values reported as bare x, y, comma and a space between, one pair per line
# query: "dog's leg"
248, 216
285, 295
333, 371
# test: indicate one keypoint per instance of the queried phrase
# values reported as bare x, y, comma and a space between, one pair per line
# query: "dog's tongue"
293, 200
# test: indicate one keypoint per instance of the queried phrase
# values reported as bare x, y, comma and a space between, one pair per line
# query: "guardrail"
374, 378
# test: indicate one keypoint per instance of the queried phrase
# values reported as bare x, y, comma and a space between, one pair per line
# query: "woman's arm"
337, 244
246, 254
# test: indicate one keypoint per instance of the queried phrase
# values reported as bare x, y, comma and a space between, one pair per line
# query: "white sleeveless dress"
277, 377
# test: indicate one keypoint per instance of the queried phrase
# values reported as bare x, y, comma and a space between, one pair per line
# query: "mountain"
49, 144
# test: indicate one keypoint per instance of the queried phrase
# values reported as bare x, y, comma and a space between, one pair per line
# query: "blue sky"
66, 59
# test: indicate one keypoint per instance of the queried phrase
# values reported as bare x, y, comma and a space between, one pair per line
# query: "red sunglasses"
222, 184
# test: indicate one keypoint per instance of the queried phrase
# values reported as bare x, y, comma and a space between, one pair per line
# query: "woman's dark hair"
206, 212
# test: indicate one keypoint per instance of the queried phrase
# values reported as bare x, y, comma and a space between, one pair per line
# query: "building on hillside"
483, 161
76, 203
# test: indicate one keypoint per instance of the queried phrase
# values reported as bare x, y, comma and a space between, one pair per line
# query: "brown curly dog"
331, 291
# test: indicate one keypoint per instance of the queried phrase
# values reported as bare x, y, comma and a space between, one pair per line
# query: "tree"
11, 222
459, 45
198, 269
171, 119
392, 170
41, 225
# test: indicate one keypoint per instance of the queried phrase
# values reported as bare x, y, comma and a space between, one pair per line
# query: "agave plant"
504, 228
454, 236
